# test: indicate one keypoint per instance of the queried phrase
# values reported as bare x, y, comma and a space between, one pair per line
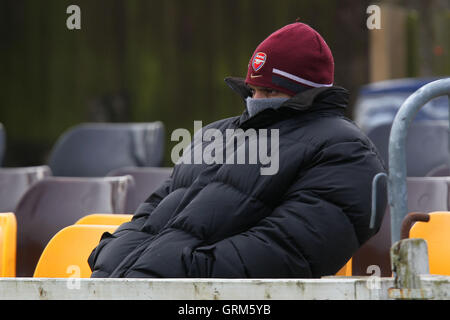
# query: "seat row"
56, 202
50, 203
66, 254
15, 182
94, 149
92, 167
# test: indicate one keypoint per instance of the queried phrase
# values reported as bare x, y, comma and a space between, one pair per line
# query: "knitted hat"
292, 59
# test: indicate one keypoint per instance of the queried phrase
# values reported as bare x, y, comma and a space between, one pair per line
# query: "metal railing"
397, 189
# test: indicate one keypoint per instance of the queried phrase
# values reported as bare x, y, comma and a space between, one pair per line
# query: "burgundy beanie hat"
292, 59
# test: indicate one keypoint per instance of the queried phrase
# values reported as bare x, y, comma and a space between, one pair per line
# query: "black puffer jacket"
229, 221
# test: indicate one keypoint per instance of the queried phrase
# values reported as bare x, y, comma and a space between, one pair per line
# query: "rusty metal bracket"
409, 220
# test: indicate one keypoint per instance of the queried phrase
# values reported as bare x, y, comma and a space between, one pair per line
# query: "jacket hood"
334, 99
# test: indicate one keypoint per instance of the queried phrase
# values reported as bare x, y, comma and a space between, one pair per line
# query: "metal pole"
397, 189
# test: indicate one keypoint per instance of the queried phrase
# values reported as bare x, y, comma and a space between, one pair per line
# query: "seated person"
304, 218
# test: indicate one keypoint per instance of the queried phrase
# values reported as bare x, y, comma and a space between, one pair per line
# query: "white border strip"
298, 79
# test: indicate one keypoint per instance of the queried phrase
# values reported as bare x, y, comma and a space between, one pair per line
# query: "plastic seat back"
105, 219
146, 181
14, 182
94, 149
440, 171
426, 145
67, 253
2, 144
436, 233
425, 194
8, 233
56, 202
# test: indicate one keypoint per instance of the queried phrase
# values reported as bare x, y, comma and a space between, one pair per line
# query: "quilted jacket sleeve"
320, 223
102, 260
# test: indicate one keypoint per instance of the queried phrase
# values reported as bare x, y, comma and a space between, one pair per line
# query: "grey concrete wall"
334, 288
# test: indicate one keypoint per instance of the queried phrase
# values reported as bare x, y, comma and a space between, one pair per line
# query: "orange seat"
105, 219
8, 241
346, 270
67, 252
436, 233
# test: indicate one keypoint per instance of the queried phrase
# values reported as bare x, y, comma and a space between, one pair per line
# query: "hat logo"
259, 60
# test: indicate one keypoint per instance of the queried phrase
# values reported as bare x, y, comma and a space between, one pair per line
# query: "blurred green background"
142, 60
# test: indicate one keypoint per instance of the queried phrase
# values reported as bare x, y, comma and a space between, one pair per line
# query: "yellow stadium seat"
66, 254
8, 242
105, 219
437, 235
346, 270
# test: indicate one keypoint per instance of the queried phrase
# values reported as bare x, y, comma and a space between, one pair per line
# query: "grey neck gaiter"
255, 106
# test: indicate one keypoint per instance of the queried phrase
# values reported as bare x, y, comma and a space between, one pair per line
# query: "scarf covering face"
255, 106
